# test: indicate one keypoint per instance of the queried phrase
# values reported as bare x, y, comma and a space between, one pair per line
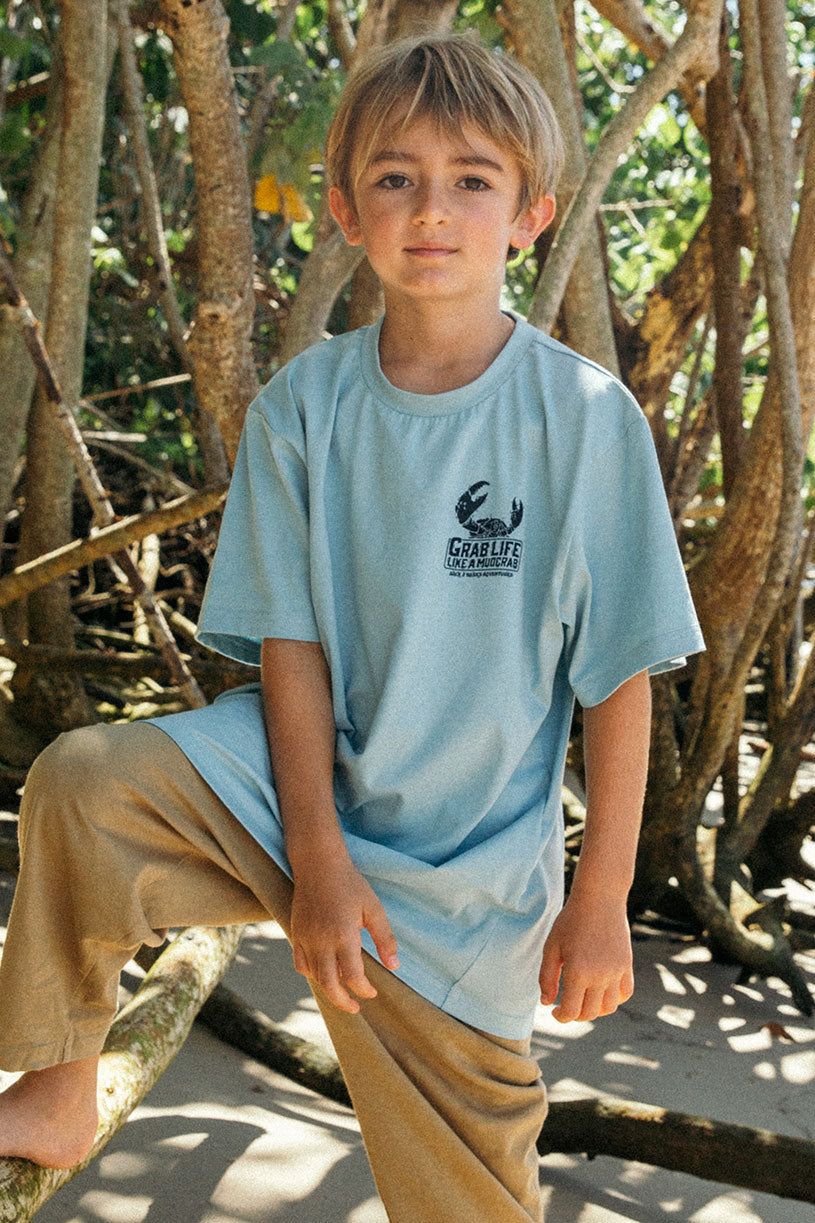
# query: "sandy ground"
221, 1139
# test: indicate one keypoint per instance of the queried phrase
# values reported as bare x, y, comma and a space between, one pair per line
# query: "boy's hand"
330, 907
588, 953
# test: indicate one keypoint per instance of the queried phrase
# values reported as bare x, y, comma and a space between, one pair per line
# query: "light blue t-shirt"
470, 561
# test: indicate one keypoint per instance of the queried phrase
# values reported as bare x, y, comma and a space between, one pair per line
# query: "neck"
431, 347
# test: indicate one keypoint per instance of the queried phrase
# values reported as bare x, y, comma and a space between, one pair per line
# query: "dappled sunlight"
693, 1039
676, 1016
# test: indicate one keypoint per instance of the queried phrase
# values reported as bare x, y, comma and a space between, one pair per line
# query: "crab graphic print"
488, 550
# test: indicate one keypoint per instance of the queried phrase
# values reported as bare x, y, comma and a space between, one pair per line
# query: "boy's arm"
332, 901
589, 945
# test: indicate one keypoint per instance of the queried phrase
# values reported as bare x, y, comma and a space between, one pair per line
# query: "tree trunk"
32, 268
47, 521
220, 345
537, 40
714, 1150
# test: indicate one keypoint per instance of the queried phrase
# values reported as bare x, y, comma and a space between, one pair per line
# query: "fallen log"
712, 1150
145, 1037
240, 1025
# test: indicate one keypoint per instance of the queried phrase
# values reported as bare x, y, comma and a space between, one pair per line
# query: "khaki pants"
121, 838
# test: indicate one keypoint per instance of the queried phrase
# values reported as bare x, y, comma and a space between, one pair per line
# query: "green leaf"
12, 46
278, 58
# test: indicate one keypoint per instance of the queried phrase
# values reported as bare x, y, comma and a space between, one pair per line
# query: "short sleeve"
259, 584
626, 605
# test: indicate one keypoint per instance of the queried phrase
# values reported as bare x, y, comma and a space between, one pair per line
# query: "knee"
77, 763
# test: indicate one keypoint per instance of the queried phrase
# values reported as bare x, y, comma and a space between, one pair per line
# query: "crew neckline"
444, 402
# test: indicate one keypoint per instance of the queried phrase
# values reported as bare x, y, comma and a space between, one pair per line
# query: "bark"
324, 273
713, 1150
538, 43
145, 1036
776, 772
631, 19
695, 48
656, 346
341, 32
127, 665
367, 302
757, 536
216, 465
726, 261
32, 270
49, 472
420, 17
247, 1029
772, 32
105, 542
220, 344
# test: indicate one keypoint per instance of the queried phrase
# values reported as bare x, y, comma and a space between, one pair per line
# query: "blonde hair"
452, 79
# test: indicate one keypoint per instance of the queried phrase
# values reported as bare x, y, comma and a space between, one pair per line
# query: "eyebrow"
469, 159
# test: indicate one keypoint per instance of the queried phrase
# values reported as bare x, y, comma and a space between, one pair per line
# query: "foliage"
653, 206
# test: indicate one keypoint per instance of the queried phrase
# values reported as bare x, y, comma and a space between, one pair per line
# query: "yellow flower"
282, 198
267, 194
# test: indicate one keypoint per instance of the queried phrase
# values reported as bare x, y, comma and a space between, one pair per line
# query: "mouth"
431, 252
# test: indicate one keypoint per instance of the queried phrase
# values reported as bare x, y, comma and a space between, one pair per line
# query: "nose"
429, 205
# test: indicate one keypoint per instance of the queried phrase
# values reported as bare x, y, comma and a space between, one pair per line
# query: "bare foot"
49, 1116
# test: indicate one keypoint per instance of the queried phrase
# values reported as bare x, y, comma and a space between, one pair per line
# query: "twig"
167, 479
103, 512
120, 391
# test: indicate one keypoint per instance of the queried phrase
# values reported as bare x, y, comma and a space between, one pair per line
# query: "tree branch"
107, 541
145, 1037
695, 46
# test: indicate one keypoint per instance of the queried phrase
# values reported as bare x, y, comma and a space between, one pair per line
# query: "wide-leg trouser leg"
121, 838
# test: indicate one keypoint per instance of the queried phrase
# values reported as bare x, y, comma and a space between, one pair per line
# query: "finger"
571, 1001
300, 960
329, 982
611, 999
376, 923
550, 973
352, 971
627, 985
592, 1003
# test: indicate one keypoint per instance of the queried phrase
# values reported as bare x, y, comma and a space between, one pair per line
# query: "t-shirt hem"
466, 1010
244, 645
654, 656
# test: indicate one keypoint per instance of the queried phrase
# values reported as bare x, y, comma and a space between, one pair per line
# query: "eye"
473, 183
393, 182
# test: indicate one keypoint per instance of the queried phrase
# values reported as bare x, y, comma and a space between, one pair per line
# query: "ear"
344, 214
532, 221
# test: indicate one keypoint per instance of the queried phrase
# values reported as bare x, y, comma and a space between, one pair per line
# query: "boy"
441, 529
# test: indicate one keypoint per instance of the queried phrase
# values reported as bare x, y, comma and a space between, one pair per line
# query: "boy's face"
437, 213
